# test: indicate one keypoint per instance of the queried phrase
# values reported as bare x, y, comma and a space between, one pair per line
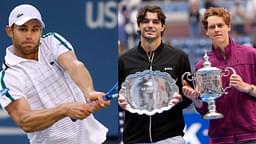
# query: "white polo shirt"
45, 85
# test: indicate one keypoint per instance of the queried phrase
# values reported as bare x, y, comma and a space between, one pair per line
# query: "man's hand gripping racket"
112, 93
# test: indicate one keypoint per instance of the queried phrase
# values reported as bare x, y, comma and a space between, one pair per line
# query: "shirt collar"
11, 58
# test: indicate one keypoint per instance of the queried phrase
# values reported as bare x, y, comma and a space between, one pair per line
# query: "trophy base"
213, 115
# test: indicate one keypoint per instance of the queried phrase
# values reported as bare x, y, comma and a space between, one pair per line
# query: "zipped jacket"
239, 109
143, 128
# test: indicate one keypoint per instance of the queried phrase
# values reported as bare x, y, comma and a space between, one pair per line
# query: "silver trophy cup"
208, 81
149, 92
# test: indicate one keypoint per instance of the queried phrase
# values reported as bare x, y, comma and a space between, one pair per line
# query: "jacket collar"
227, 49
158, 49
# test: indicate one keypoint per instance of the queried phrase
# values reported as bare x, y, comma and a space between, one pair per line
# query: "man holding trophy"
237, 105
149, 65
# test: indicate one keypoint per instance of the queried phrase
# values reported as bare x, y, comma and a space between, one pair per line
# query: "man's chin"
150, 38
218, 40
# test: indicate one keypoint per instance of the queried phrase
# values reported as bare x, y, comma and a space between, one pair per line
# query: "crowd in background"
183, 27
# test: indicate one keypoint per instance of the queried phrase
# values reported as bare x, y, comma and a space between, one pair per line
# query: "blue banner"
196, 129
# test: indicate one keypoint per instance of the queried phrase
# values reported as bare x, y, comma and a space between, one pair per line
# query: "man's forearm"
77, 71
41, 119
81, 76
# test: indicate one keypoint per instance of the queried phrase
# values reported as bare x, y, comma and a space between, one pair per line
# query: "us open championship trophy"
208, 81
149, 92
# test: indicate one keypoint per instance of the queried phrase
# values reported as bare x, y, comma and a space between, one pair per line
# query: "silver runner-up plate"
149, 92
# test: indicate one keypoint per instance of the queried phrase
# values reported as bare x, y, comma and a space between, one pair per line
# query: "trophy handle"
227, 72
187, 74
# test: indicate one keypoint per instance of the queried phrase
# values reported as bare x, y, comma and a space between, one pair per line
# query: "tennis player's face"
151, 27
218, 31
26, 39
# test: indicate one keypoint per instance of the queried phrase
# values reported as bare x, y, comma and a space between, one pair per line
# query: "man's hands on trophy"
177, 98
237, 82
122, 102
192, 94
189, 92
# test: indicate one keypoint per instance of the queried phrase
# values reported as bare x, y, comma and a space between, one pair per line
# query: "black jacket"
169, 123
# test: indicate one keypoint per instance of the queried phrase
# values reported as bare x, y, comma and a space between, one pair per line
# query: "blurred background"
184, 31
183, 28
91, 27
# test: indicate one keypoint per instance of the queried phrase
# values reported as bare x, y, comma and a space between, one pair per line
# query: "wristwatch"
250, 91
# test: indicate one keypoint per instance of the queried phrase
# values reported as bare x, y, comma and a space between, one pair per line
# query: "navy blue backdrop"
90, 26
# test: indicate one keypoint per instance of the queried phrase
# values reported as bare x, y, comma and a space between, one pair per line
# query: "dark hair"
153, 9
216, 11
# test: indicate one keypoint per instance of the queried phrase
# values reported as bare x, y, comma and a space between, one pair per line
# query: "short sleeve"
10, 88
57, 44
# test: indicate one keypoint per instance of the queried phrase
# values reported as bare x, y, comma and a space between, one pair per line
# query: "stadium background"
93, 28
184, 31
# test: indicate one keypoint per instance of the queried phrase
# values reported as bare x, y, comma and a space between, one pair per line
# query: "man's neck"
221, 47
150, 46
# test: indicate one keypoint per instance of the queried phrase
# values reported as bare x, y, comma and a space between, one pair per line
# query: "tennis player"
43, 85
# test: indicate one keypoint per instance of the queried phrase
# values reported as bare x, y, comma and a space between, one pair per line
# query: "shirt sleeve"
203, 110
11, 88
57, 44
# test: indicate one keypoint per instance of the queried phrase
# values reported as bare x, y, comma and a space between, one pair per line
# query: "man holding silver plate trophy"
226, 77
150, 84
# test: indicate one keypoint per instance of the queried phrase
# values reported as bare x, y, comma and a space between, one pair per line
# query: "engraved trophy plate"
149, 92
208, 81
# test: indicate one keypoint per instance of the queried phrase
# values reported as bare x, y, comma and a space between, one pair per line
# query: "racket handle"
108, 96
105, 97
